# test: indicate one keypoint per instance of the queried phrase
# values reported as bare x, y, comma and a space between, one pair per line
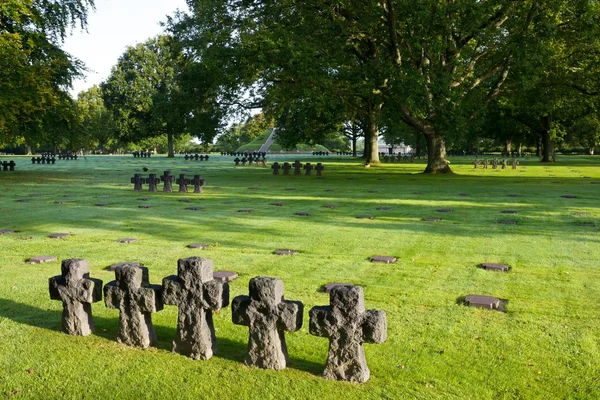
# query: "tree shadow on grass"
107, 328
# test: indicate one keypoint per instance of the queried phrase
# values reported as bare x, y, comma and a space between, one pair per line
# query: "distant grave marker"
509, 211
364, 217
489, 302
58, 235
285, 252
384, 208
431, 219
278, 204
224, 276
507, 222
193, 208
40, 259
331, 206
245, 210
303, 214
495, 267
126, 240
568, 196
6, 232
198, 246
383, 259
444, 210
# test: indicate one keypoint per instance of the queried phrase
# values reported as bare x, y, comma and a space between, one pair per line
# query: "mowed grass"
546, 344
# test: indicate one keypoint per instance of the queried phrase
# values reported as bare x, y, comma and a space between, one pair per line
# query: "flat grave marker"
285, 252
383, 259
480, 301
495, 267
224, 276
40, 259
58, 235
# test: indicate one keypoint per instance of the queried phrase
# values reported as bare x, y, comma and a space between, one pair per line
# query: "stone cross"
476, 163
198, 183
77, 291
504, 164
286, 168
182, 181
485, 163
320, 169
167, 179
136, 299
5, 166
197, 295
268, 315
275, 167
152, 181
347, 325
495, 163
515, 163
137, 181
244, 161
237, 161
297, 166
308, 168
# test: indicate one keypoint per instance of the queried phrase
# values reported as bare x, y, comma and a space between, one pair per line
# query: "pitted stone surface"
268, 316
197, 295
77, 291
330, 286
224, 276
347, 325
495, 267
136, 300
483, 301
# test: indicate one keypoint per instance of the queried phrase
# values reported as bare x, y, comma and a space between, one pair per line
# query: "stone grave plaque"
330, 286
126, 240
431, 219
303, 213
568, 196
383, 259
373, 191
40, 259
60, 202
58, 235
384, 208
278, 204
483, 301
144, 206
224, 276
329, 190
253, 188
245, 211
6, 231
184, 200
464, 194
101, 204
143, 199
514, 195
194, 208
285, 252
495, 267
22, 200
290, 188
509, 211
444, 210
507, 222
198, 246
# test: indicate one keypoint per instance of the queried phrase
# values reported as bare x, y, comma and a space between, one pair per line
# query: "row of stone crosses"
8, 165
183, 181
495, 162
195, 157
250, 160
297, 165
142, 154
197, 294
254, 154
43, 160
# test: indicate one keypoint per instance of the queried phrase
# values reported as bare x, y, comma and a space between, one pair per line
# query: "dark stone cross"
152, 181
308, 168
244, 161
77, 291
167, 179
137, 181
347, 325
198, 183
182, 181
275, 167
136, 299
237, 161
320, 169
286, 168
297, 166
197, 295
268, 315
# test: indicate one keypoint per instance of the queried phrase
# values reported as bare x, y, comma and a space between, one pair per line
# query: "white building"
393, 148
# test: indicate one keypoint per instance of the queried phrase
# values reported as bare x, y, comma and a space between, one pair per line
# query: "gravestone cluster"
196, 157
495, 163
320, 153
141, 154
43, 160
67, 156
167, 179
258, 161
254, 154
8, 165
286, 167
197, 294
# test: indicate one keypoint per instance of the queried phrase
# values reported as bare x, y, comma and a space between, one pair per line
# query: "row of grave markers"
297, 165
196, 157
8, 165
183, 181
250, 160
495, 162
197, 294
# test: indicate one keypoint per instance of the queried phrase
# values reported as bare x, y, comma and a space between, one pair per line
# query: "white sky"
115, 25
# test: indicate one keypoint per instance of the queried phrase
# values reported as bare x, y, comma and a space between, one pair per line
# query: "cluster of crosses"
250, 160
183, 181
8, 165
320, 153
67, 156
197, 294
485, 163
43, 160
343, 153
142, 154
196, 157
255, 154
297, 165
398, 158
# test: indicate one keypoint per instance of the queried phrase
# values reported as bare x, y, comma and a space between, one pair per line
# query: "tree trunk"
591, 151
547, 142
170, 144
538, 149
508, 147
28, 150
354, 138
371, 137
520, 149
436, 155
367, 147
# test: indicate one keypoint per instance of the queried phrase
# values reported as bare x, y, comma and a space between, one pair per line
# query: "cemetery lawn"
544, 346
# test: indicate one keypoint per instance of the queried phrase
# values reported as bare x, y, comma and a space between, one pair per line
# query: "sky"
115, 25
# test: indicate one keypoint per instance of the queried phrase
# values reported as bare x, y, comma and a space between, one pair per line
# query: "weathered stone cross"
77, 291
136, 299
275, 167
152, 181
137, 181
167, 179
347, 325
308, 168
183, 181
297, 166
320, 169
198, 183
268, 315
286, 168
196, 294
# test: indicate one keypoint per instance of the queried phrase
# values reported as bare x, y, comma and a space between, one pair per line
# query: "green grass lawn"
545, 346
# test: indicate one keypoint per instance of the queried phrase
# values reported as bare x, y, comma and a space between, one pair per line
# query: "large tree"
144, 93
35, 73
